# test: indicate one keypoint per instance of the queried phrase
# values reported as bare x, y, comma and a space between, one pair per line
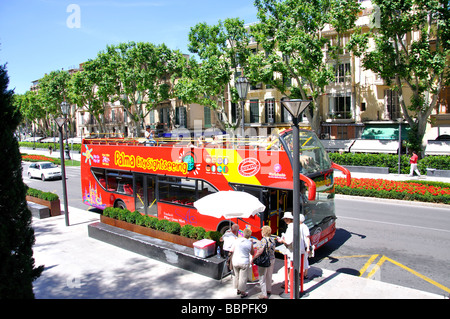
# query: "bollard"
291, 280
301, 271
286, 272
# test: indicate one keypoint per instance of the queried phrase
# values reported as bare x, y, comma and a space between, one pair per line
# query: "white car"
44, 170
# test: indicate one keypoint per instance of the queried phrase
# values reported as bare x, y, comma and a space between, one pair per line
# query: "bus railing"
250, 143
344, 170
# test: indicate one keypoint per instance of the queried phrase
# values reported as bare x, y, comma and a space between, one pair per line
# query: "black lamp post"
242, 86
295, 108
60, 122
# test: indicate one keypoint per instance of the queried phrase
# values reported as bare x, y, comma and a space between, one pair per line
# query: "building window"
444, 100
164, 116
392, 104
339, 106
207, 115
180, 116
254, 111
233, 112
342, 72
269, 108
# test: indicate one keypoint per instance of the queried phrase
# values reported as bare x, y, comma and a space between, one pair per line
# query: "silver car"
44, 171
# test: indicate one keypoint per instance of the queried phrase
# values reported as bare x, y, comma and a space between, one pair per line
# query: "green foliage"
151, 222
221, 48
293, 45
419, 65
55, 146
391, 161
197, 233
17, 268
444, 199
173, 228
162, 224
214, 235
42, 195
186, 230
158, 224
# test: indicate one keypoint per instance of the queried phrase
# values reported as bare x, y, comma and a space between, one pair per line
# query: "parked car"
44, 171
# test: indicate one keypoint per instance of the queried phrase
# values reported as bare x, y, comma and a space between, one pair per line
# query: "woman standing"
242, 249
265, 273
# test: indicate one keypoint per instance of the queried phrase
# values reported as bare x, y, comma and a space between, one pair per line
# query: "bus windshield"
313, 157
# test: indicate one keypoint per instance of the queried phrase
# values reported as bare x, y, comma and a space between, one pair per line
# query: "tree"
142, 75
91, 89
17, 271
412, 46
290, 33
31, 108
53, 90
221, 48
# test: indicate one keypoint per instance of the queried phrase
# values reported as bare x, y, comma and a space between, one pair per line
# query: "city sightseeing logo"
249, 167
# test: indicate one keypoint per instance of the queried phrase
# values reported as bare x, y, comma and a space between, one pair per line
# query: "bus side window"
99, 175
112, 184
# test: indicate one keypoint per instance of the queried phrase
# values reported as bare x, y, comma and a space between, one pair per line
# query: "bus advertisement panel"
165, 179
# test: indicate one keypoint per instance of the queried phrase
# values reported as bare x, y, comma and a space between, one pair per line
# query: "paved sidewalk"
77, 266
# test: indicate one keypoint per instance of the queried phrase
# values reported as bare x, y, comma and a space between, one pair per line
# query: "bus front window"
313, 157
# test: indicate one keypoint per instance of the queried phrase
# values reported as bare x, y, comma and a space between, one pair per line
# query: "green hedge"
55, 146
161, 224
391, 161
42, 195
442, 199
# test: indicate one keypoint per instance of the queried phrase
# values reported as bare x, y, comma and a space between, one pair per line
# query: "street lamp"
60, 122
242, 86
295, 108
65, 107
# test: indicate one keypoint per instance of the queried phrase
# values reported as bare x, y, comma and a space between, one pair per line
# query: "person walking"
242, 249
265, 273
413, 161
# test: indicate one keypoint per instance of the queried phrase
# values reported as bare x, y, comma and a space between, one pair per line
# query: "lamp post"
242, 86
60, 122
295, 108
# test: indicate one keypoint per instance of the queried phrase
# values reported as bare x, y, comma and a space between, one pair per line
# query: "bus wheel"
120, 204
224, 226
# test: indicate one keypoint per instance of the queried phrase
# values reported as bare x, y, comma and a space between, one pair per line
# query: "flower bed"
404, 190
37, 158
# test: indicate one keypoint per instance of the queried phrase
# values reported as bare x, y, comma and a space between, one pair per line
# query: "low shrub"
198, 233
173, 228
186, 230
164, 225
150, 222
391, 161
42, 195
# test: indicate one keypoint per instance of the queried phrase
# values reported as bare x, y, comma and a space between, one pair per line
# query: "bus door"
258, 192
145, 197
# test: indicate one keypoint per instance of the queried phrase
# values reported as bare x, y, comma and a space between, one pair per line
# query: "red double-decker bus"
164, 179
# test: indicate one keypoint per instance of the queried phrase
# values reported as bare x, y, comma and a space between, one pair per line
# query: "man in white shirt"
288, 238
228, 239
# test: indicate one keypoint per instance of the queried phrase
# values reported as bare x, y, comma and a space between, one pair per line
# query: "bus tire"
224, 226
120, 204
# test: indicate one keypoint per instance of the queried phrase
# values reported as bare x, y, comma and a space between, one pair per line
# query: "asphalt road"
403, 244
